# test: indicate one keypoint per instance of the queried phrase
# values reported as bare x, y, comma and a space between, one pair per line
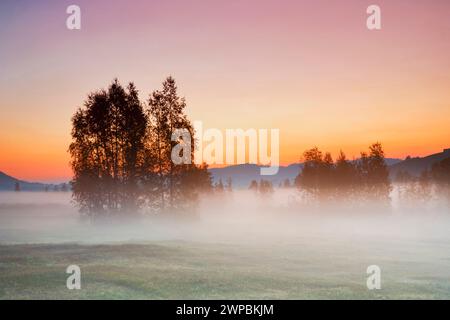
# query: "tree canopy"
121, 151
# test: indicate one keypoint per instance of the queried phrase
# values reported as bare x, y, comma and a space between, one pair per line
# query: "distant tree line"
363, 180
366, 181
220, 188
121, 154
63, 187
432, 184
262, 188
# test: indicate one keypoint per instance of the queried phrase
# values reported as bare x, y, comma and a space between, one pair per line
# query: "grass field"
182, 270
220, 258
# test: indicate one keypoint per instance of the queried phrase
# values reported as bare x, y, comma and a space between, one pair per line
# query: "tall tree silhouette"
316, 178
166, 114
375, 174
414, 193
265, 188
253, 186
345, 177
108, 150
440, 174
219, 187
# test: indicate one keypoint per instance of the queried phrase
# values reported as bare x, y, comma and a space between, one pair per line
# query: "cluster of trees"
365, 179
286, 184
121, 153
263, 188
440, 175
220, 188
56, 188
433, 183
122, 149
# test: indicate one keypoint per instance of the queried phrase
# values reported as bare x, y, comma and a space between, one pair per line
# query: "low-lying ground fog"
241, 246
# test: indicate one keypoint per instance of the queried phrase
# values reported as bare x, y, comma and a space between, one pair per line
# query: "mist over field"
224, 150
240, 217
240, 245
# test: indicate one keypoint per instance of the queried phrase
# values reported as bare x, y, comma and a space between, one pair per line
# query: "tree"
345, 173
253, 186
364, 180
108, 150
309, 178
265, 187
414, 193
316, 178
122, 154
229, 185
166, 114
403, 176
440, 174
218, 187
375, 175
194, 181
345, 178
286, 183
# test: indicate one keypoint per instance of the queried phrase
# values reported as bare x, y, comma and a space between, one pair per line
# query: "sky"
309, 68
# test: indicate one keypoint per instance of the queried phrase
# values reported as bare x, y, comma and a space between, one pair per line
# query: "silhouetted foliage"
414, 193
223, 191
229, 185
253, 186
374, 175
286, 183
265, 187
403, 176
166, 114
366, 179
219, 187
121, 154
108, 151
316, 177
346, 177
440, 174
192, 182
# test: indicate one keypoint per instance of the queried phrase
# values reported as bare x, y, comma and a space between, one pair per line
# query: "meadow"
239, 251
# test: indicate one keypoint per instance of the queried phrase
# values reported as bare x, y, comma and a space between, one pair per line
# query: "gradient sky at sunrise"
310, 68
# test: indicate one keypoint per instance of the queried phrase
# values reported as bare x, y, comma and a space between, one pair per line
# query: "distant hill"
392, 161
415, 166
8, 183
241, 175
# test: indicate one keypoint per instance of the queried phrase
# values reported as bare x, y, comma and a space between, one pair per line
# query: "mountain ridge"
415, 166
242, 174
8, 183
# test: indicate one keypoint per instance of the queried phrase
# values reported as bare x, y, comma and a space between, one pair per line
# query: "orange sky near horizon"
309, 68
